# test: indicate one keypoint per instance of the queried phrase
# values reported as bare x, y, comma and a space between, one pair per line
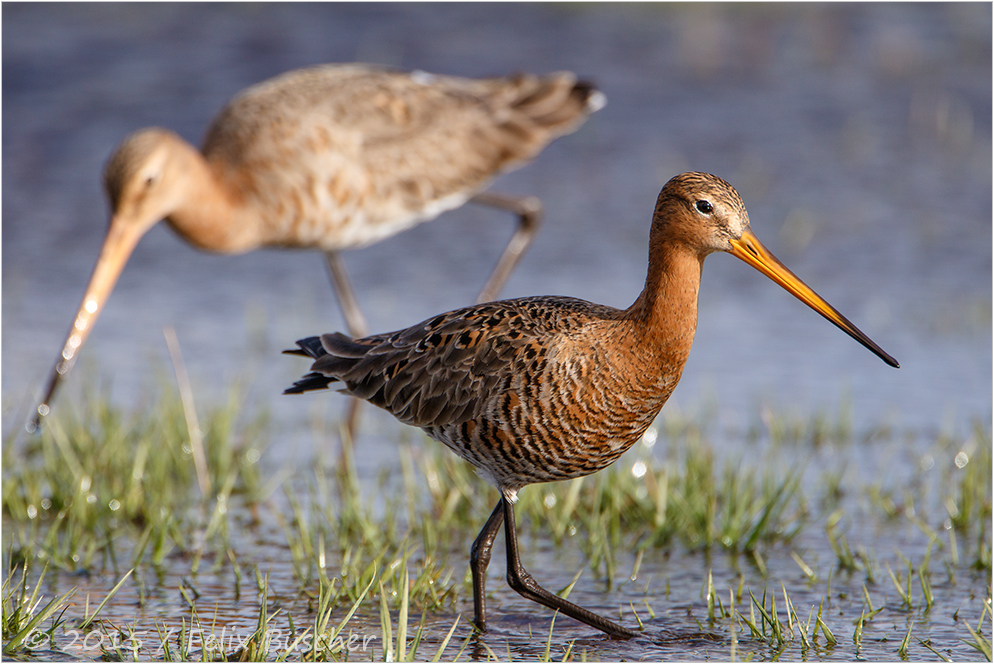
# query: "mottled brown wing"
333, 138
444, 370
376, 109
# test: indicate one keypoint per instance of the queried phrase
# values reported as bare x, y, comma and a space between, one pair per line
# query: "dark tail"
310, 347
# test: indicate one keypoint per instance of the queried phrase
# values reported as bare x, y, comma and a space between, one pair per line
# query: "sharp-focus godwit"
550, 388
332, 157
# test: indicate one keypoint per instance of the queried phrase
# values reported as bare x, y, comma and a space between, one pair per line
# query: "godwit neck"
695, 215
663, 320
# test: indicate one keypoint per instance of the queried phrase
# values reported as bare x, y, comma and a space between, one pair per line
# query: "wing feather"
445, 370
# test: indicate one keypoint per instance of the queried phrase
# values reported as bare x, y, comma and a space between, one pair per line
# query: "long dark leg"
354, 319
479, 559
529, 211
522, 582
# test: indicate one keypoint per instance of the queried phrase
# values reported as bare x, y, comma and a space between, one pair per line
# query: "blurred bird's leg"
529, 212
356, 323
346, 295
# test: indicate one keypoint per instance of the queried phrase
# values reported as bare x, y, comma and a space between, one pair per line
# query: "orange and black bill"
749, 249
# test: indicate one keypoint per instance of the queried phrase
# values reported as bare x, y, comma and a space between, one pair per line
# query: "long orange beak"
120, 242
751, 250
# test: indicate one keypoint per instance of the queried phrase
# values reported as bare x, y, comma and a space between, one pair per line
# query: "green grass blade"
113, 591
903, 650
934, 651
15, 642
445, 641
980, 642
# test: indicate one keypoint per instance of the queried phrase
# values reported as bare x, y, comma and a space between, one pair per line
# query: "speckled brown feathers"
496, 383
340, 156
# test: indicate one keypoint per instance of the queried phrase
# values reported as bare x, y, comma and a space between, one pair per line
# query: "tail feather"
526, 113
559, 102
593, 99
314, 348
310, 382
336, 356
308, 347
531, 111
341, 345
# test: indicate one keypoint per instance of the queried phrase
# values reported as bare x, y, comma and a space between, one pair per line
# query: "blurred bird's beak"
117, 248
749, 249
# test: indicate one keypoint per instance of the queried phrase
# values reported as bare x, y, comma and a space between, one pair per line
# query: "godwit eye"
704, 207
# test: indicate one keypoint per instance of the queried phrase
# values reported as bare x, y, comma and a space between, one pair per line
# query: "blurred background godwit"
330, 157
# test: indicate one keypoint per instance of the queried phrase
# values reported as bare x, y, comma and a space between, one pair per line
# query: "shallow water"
668, 594
858, 136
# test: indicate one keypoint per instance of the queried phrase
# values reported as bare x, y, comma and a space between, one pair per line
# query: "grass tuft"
93, 476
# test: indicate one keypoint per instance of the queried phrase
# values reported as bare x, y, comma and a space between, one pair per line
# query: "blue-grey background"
858, 135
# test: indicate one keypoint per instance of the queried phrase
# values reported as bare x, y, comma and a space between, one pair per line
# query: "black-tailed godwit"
332, 157
542, 389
